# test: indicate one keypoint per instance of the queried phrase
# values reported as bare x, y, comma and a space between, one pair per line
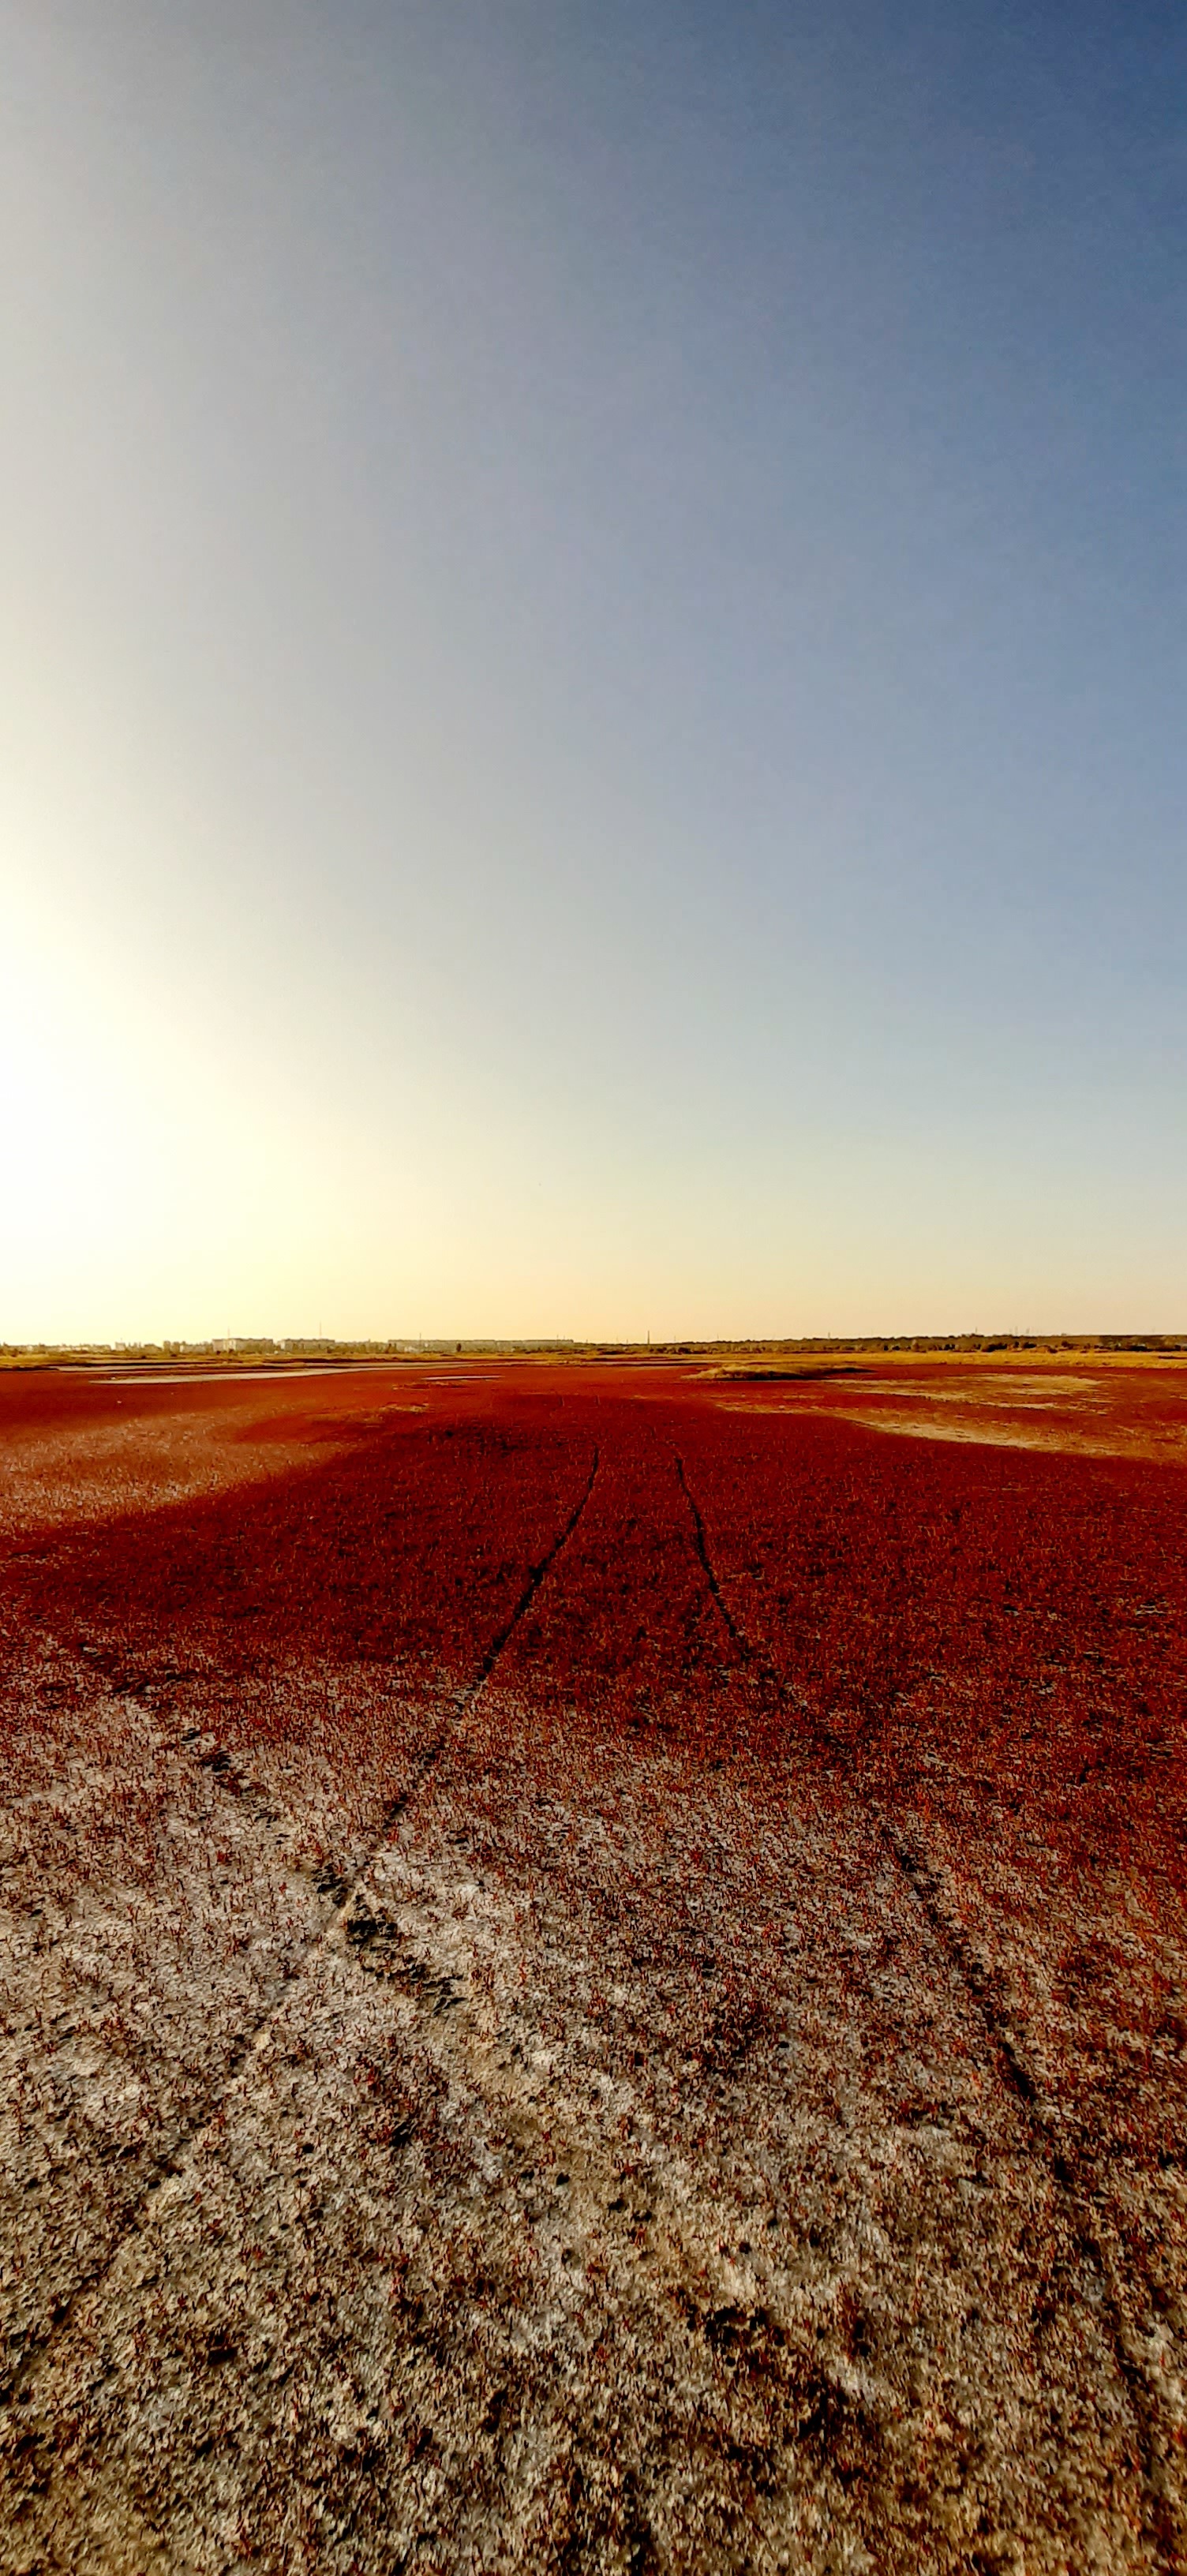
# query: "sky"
592, 667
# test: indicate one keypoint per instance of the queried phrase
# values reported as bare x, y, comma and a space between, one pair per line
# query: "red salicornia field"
594, 1968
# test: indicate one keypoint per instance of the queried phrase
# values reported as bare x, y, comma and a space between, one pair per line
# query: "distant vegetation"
249, 1350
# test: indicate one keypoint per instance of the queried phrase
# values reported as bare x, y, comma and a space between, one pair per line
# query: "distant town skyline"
593, 662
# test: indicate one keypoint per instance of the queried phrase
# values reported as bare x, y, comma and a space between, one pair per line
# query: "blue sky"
593, 668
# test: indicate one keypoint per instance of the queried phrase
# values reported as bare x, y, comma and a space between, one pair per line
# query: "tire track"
760, 1665
1061, 2162
1154, 2437
172, 2165
742, 1642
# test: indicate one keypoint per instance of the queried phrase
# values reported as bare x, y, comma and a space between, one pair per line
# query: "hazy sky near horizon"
593, 666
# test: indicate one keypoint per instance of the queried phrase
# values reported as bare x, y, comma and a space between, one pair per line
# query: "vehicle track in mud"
173, 2167
1167, 2530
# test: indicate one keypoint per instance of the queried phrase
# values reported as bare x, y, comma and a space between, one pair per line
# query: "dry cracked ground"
458, 2120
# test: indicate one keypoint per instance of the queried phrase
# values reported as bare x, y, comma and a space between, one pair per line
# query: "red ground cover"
988, 1639
1012, 1616
688, 1614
